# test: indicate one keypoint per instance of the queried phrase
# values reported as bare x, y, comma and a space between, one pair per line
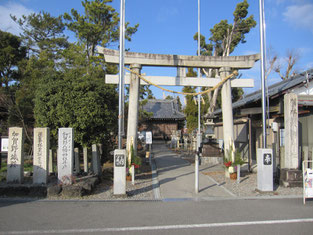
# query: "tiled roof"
277, 88
164, 109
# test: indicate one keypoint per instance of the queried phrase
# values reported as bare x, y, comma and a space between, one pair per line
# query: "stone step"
291, 175
291, 184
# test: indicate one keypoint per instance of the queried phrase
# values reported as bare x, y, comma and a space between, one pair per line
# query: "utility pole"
199, 114
121, 76
263, 61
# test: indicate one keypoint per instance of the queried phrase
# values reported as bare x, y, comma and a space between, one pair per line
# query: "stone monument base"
291, 178
214, 160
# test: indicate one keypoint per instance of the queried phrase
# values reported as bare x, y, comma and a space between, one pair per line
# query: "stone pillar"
181, 72
76, 160
96, 165
65, 155
50, 162
291, 131
15, 166
85, 153
227, 109
133, 107
41, 155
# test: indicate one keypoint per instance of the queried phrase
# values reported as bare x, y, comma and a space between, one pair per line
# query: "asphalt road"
231, 216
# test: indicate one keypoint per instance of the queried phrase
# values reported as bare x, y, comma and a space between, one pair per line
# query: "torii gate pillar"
227, 110
133, 107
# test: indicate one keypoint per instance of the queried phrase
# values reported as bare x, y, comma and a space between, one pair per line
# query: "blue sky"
168, 26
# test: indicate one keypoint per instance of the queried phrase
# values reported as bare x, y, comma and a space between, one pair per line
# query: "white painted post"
238, 174
133, 174
41, 153
15, 171
197, 173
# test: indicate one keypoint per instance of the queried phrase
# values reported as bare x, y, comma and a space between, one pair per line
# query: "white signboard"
307, 180
4, 144
148, 137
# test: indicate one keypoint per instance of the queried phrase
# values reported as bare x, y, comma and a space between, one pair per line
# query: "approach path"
176, 176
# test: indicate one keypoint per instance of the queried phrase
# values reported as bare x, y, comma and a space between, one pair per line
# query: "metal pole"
199, 96
121, 76
199, 113
262, 48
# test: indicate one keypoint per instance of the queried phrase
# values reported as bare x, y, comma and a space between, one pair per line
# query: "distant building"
165, 118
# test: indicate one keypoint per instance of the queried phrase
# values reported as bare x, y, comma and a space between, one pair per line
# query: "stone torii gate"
223, 64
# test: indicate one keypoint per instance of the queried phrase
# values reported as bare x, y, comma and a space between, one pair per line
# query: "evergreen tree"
99, 25
225, 37
11, 54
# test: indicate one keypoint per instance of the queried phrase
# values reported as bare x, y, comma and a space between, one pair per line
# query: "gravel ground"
248, 181
248, 185
141, 190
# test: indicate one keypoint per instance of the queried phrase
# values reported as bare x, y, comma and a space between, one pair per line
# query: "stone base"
211, 160
85, 186
291, 178
82, 188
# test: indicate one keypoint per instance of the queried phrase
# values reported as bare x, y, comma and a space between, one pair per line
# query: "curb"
195, 199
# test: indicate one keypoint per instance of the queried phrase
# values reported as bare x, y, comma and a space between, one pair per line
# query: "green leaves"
61, 84
42, 32
97, 26
11, 53
84, 103
226, 36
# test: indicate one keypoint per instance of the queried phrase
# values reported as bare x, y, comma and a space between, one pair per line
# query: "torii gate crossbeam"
161, 60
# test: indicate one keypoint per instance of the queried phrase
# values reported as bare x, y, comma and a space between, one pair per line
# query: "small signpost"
4, 147
307, 180
149, 139
4, 144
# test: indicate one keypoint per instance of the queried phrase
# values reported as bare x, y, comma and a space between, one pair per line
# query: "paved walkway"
176, 177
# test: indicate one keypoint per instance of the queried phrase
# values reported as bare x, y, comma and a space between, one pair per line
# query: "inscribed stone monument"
291, 131
65, 155
41, 154
15, 166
